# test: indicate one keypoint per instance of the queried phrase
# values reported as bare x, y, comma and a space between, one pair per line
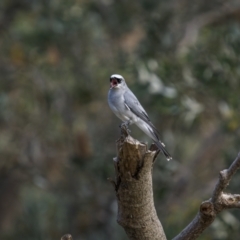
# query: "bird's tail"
153, 134
162, 148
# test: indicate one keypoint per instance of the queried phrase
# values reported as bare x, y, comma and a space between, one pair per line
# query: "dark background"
57, 133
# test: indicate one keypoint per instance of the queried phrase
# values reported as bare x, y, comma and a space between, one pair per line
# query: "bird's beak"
113, 83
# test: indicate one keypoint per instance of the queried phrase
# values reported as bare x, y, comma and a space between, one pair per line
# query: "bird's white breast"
117, 104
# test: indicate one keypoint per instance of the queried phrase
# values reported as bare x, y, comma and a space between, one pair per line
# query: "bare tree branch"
210, 208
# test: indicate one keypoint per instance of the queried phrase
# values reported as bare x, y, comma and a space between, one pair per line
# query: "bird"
126, 106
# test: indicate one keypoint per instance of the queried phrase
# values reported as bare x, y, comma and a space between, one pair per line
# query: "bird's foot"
124, 126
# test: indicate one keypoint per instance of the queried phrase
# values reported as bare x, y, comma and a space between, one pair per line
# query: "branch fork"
216, 204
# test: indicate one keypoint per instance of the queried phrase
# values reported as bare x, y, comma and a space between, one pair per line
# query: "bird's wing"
132, 103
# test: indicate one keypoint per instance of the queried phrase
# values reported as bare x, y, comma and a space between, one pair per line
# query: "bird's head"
117, 81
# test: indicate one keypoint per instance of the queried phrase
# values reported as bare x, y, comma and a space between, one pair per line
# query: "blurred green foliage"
58, 135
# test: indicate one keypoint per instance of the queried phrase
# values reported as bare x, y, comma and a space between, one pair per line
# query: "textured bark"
133, 186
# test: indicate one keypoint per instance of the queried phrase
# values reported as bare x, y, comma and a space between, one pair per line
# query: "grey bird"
126, 106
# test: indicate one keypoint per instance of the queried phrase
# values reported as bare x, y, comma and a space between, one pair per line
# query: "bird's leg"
125, 125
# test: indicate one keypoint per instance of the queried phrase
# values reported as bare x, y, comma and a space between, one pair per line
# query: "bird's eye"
119, 80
